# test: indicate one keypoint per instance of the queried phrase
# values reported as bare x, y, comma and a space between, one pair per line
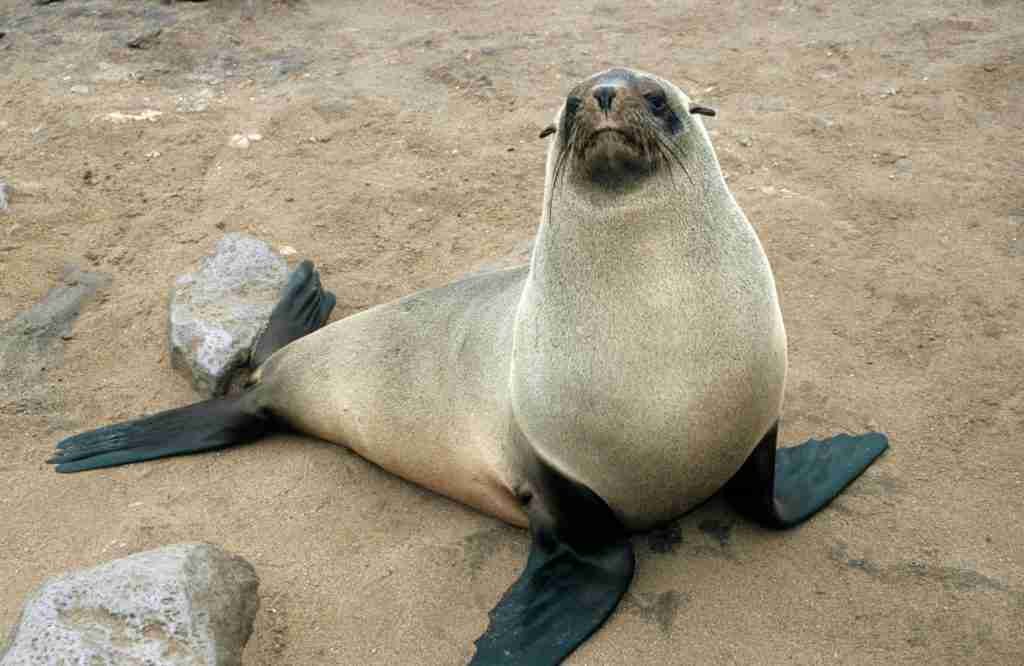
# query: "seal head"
617, 128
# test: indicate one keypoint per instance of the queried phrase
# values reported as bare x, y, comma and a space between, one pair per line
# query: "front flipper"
304, 307
783, 487
580, 564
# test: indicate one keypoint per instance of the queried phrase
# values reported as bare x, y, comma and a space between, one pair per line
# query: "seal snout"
605, 94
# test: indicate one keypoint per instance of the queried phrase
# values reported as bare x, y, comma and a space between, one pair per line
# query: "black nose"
604, 96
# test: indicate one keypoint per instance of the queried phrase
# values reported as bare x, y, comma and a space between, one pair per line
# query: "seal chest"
649, 353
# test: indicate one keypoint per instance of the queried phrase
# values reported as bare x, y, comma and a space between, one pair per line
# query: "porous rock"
184, 604
218, 312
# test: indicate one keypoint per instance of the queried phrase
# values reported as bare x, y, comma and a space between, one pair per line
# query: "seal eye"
572, 105
657, 103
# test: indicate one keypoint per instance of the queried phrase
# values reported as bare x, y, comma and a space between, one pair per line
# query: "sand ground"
878, 147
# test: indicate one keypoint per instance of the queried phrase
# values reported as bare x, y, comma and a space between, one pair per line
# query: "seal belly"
655, 455
657, 434
417, 386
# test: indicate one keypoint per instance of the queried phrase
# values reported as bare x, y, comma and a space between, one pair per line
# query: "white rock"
186, 604
148, 114
217, 312
243, 140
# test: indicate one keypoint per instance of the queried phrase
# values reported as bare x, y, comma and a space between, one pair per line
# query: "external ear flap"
702, 110
547, 131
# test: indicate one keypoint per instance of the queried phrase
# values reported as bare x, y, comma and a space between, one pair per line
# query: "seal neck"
590, 238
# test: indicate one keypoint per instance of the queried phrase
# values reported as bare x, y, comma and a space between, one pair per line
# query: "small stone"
287, 250
181, 604
244, 140
153, 154
218, 312
107, 71
147, 114
768, 189
145, 40
81, 90
745, 141
196, 101
5, 194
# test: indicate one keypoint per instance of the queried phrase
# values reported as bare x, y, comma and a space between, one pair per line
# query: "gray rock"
188, 604
218, 312
32, 342
146, 40
5, 195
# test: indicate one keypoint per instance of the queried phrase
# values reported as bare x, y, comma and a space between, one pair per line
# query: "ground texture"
878, 148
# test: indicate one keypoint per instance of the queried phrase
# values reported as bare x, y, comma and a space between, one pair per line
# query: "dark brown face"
617, 129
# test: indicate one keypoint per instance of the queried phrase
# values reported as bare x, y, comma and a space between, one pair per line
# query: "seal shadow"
705, 532
659, 608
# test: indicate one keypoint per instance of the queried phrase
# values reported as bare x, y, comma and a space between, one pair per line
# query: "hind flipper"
303, 308
783, 487
204, 426
580, 564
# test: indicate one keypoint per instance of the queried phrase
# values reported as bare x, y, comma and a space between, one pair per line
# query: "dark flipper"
580, 564
783, 487
304, 307
204, 426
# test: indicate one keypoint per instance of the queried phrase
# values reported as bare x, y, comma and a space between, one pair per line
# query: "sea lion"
633, 369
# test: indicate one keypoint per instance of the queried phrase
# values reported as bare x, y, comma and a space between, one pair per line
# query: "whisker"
670, 149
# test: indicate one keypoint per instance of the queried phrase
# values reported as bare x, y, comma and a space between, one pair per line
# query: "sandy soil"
878, 147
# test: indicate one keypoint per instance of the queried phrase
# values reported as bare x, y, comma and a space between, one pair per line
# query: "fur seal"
633, 369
